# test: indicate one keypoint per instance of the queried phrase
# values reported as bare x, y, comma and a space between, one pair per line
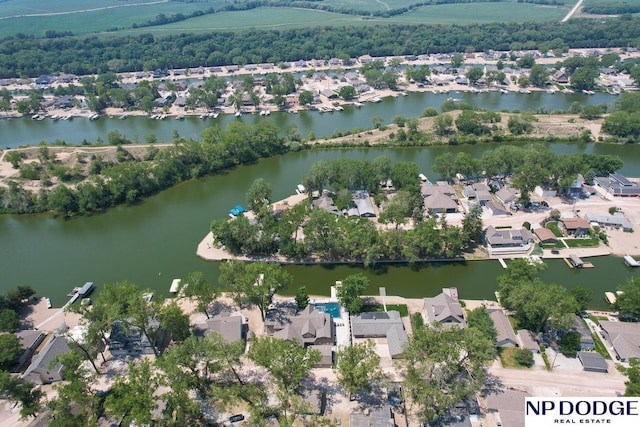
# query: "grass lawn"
581, 243
400, 308
553, 226
507, 357
600, 348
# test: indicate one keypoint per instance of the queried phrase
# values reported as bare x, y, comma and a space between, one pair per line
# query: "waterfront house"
545, 236
308, 326
574, 227
230, 327
381, 325
443, 309
506, 336
586, 340
618, 185
508, 241
479, 192
561, 76
624, 337
39, 371
29, 341
439, 198
325, 203
364, 204
593, 362
130, 341
617, 220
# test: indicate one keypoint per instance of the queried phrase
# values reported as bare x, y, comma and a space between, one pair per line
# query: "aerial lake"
155, 241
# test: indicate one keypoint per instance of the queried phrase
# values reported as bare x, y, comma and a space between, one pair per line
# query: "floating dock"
610, 297
175, 286
82, 291
630, 261
574, 261
502, 263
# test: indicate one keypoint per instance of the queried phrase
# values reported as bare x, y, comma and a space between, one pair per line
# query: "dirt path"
572, 11
70, 12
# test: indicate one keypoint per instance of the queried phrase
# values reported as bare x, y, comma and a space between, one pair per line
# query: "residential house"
509, 407
576, 190
561, 76
545, 236
39, 371
131, 341
230, 327
574, 227
479, 192
617, 220
496, 209
378, 417
315, 399
593, 361
365, 59
29, 341
508, 241
364, 204
326, 352
444, 309
526, 340
506, 195
325, 202
544, 191
64, 102
624, 337
586, 340
506, 336
308, 326
381, 325
618, 185
439, 198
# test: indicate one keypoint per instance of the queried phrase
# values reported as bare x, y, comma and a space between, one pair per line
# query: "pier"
630, 261
502, 263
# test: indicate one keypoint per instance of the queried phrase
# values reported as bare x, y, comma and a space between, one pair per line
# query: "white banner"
598, 411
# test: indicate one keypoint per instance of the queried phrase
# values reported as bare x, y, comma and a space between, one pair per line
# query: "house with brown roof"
443, 309
575, 227
545, 236
308, 326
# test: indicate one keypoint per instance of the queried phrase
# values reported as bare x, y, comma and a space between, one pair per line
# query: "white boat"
94, 117
162, 116
567, 91
504, 91
376, 99
35, 117
48, 302
55, 117
154, 117
339, 108
204, 116
238, 114
263, 112
403, 93
551, 91
300, 189
358, 104
123, 117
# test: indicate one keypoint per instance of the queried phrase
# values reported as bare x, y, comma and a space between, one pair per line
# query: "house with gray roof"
29, 341
478, 191
506, 195
444, 309
364, 204
593, 361
624, 337
326, 352
38, 371
440, 203
506, 336
325, 203
617, 220
130, 341
509, 406
381, 325
618, 185
586, 340
508, 241
308, 326
377, 417
525, 337
496, 209
228, 326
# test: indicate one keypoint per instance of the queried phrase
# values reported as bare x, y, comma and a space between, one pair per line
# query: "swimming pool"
333, 308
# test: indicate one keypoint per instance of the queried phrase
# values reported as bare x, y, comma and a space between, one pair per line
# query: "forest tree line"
29, 56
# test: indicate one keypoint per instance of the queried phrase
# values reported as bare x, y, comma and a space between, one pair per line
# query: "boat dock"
574, 261
81, 291
630, 261
610, 297
502, 263
175, 286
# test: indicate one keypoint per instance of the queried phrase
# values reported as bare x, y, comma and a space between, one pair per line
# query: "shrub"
524, 357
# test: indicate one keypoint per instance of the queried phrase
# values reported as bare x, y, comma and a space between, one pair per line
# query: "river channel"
153, 242
28, 132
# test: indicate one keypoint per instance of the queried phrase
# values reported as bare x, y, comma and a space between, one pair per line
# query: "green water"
155, 241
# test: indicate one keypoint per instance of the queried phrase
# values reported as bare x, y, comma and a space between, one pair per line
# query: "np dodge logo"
609, 411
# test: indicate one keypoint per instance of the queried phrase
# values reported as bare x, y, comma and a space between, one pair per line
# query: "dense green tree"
583, 296
359, 367
457, 59
350, 291
347, 92
474, 74
633, 374
201, 290
302, 297
9, 320
538, 75
131, 398
524, 357
20, 391
527, 61
305, 97
442, 366
15, 158
442, 124
10, 350
480, 319
570, 344
444, 164
584, 78
628, 303
259, 194
405, 175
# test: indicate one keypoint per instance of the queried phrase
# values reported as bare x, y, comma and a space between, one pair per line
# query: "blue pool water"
333, 308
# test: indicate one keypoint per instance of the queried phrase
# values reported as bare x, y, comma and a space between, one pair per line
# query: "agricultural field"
119, 16
482, 13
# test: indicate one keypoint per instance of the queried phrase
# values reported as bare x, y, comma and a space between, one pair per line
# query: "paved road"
566, 383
